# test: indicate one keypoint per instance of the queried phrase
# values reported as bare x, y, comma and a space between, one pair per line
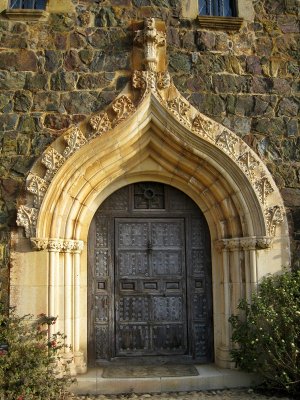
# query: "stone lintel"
223, 23
26, 14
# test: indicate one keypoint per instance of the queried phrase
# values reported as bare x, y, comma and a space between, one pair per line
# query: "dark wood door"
150, 290
149, 282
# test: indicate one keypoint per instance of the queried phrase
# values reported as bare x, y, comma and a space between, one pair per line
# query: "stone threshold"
210, 378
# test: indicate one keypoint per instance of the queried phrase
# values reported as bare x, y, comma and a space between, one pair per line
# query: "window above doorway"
28, 4
220, 8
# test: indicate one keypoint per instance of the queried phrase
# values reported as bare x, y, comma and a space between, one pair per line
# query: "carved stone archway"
149, 133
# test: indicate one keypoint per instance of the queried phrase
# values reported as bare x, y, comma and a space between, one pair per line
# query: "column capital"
244, 243
57, 245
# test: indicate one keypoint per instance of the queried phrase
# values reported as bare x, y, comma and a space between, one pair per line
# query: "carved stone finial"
150, 38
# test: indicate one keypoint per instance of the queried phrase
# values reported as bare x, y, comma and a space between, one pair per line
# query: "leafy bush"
30, 362
267, 334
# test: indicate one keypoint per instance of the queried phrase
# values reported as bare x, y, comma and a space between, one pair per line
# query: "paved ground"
235, 394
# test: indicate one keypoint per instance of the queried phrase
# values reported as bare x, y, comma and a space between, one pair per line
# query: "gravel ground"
233, 394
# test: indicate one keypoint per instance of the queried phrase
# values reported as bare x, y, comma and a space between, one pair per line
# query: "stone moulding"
244, 243
224, 23
148, 83
58, 245
26, 14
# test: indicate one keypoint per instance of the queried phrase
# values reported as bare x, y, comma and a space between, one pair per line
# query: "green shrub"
267, 333
30, 362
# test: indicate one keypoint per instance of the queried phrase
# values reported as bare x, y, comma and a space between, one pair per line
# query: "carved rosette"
27, 217
38, 187
123, 107
75, 139
100, 123
52, 160
180, 109
227, 142
248, 163
263, 188
274, 216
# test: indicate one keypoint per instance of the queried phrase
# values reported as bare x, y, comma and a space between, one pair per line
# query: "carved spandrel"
274, 217
204, 127
133, 235
101, 308
133, 263
134, 309
166, 234
167, 308
167, 262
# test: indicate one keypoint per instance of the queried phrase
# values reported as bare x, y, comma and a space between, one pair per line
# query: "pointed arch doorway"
149, 276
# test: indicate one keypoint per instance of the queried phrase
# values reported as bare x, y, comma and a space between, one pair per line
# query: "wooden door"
150, 291
149, 276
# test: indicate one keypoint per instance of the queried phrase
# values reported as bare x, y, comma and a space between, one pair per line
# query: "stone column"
54, 248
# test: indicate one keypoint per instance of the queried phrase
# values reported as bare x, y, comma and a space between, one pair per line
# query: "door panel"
148, 254
149, 276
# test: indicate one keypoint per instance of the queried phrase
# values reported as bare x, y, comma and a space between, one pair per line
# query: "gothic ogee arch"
151, 133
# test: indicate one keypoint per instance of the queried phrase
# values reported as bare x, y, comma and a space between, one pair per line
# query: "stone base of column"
80, 363
223, 358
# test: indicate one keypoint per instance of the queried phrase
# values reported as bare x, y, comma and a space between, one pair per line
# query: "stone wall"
58, 72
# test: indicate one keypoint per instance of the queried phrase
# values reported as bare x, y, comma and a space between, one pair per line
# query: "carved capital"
248, 243
75, 139
58, 245
39, 244
38, 187
52, 160
55, 245
27, 217
264, 242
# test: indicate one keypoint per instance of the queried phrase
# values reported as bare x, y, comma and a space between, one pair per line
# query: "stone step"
210, 378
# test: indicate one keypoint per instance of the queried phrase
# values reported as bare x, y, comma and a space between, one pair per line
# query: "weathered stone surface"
288, 106
269, 126
86, 55
115, 62
21, 60
230, 84
12, 80
292, 128
79, 102
106, 17
47, 101
253, 65
61, 41
29, 123
206, 40
35, 82
288, 24
62, 22
53, 60
180, 62
22, 101
77, 40
73, 62
57, 121
208, 103
6, 102
8, 121
63, 80
173, 37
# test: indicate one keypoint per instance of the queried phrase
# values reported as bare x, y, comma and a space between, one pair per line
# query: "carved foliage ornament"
100, 123
123, 107
38, 187
227, 142
75, 140
274, 216
27, 217
206, 127
58, 245
52, 160
180, 109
